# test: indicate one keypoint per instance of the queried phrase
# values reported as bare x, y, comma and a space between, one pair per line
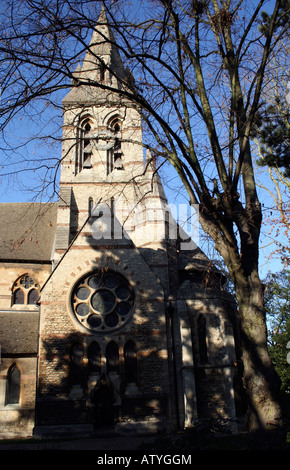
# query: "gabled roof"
27, 231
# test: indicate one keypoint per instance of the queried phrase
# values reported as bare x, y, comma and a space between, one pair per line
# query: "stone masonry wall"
59, 328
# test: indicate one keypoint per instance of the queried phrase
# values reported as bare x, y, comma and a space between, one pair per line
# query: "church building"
107, 321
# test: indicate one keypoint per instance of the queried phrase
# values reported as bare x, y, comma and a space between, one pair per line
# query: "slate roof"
19, 332
27, 231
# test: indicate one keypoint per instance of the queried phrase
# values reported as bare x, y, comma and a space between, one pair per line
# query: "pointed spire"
102, 63
102, 43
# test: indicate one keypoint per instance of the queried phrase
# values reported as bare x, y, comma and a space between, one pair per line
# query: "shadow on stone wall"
69, 395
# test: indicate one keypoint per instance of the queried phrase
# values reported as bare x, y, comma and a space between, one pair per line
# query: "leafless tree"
199, 68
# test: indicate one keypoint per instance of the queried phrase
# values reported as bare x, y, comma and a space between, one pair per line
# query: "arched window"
201, 331
25, 291
13, 386
33, 296
114, 124
112, 357
85, 145
115, 154
18, 296
130, 358
94, 355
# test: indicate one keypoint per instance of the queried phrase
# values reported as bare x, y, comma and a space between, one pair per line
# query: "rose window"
103, 301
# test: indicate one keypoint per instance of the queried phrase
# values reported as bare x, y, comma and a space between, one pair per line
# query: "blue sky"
26, 184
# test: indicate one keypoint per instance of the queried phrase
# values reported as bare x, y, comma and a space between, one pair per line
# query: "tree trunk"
264, 415
260, 381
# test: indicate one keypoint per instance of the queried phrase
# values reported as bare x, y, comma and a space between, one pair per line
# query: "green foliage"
272, 120
283, 18
277, 303
273, 132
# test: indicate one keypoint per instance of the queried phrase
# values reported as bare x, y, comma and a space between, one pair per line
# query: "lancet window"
84, 145
115, 154
95, 357
13, 386
112, 357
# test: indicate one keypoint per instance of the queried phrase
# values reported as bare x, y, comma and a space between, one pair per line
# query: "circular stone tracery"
102, 301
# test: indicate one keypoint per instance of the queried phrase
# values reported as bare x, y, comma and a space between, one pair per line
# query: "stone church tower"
129, 332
